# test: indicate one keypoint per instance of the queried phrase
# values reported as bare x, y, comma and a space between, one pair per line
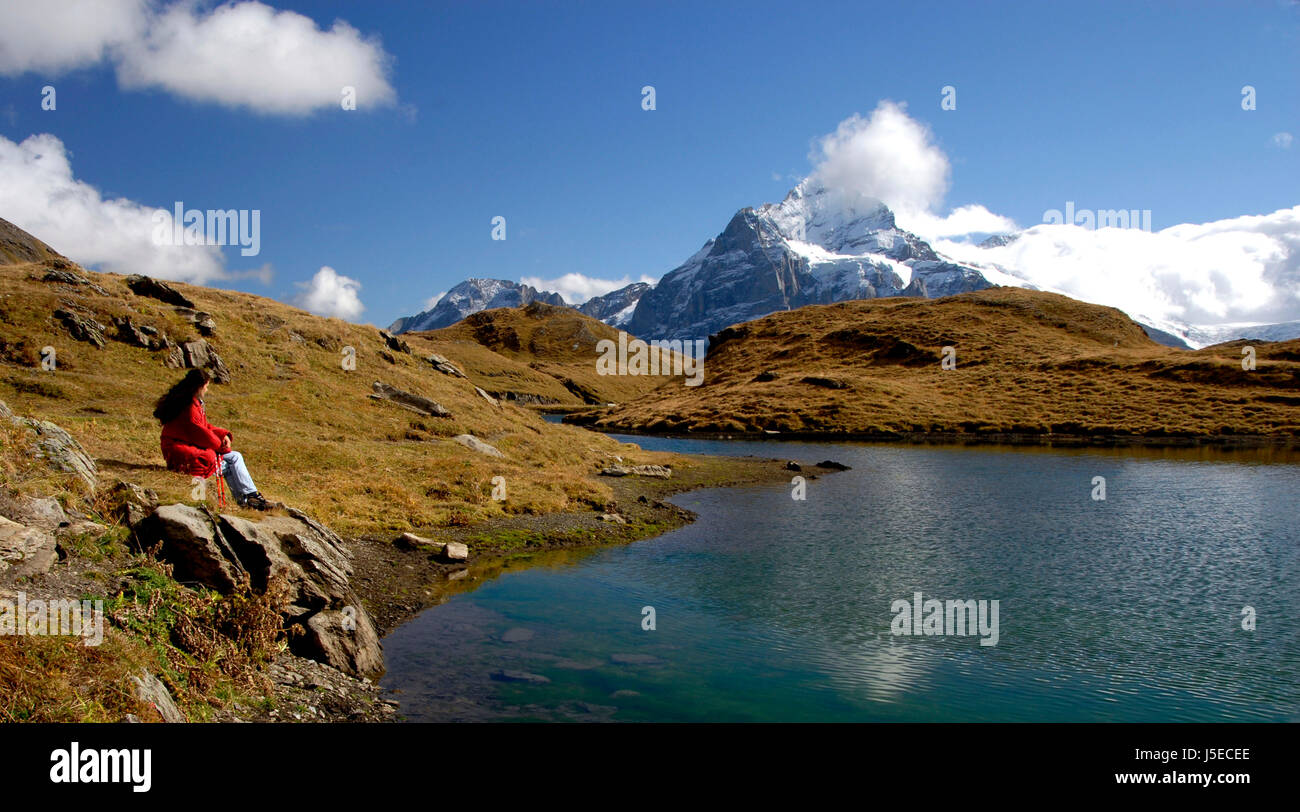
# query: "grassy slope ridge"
550, 352
1027, 362
312, 436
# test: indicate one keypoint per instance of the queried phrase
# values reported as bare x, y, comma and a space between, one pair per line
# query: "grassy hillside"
1026, 362
550, 354
311, 434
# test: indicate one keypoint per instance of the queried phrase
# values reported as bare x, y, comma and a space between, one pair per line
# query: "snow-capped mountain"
615, 308
471, 296
812, 248
817, 247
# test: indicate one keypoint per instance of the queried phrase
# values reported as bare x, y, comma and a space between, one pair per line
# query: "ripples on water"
1127, 609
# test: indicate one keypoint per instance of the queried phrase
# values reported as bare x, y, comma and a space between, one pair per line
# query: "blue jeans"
231, 466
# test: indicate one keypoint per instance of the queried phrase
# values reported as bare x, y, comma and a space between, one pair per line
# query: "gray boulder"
313, 563
198, 355
152, 288
25, 550
133, 503
191, 543
82, 328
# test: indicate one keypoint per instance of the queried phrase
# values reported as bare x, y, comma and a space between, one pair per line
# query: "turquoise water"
768, 608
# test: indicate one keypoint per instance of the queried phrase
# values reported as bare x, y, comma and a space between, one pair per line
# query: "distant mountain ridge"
811, 248
817, 246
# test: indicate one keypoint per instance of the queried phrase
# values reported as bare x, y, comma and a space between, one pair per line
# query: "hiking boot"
255, 501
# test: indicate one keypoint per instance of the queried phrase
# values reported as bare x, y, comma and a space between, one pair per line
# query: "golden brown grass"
550, 351
1026, 362
311, 434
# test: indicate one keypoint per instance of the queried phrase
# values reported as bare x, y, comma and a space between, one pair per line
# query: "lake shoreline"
396, 584
1227, 441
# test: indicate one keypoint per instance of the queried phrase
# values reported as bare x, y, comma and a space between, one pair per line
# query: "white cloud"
973, 219
433, 300
39, 194
53, 36
888, 156
329, 293
577, 288
243, 54
1244, 269
1283, 140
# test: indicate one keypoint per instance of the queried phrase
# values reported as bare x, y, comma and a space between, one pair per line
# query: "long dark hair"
180, 396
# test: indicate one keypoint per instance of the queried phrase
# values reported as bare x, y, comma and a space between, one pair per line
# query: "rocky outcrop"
328, 622
408, 400
58, 448
154, 289
444, 365
487, 397
82, 328
199, 355
394, 343
202, 321
475, 444
68, 277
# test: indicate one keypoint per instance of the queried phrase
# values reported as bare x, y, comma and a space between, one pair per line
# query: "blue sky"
532, 111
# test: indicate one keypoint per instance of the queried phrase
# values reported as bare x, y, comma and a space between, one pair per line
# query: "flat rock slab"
25, 550
408, 400
475, 444
445, 365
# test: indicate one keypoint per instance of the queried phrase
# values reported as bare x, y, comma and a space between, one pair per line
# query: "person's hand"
225, 444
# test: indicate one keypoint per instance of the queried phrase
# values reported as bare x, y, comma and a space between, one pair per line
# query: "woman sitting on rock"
192, 446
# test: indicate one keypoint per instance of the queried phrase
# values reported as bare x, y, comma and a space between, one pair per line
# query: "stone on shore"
657, 471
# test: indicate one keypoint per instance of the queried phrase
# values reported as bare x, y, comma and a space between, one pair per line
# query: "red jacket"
190, 443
